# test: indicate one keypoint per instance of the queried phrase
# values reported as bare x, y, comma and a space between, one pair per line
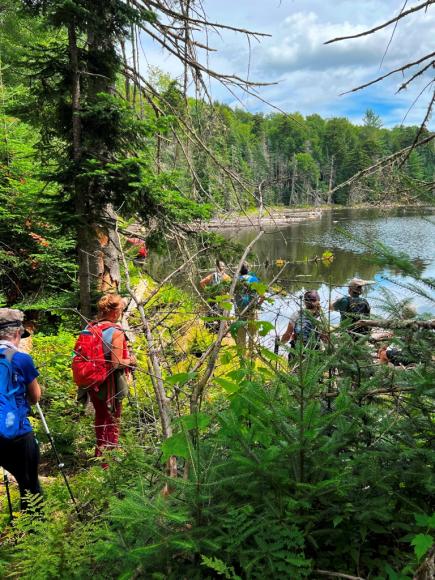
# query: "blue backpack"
305, 330
246, 297
11, 414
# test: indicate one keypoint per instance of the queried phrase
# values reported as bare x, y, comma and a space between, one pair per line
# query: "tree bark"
98, 257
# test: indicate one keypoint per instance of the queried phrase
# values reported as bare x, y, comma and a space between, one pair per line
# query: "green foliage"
219, 567
36, 251
323, 464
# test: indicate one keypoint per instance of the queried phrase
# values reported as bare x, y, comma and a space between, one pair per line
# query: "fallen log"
390, 323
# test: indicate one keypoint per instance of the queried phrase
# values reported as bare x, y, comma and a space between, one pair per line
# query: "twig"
337, 575
392, 72
213, 351
376, 28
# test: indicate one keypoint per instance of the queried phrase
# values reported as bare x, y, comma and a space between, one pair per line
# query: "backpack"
358, 307
11, 414
305, 329
216, 279
245, 296
91, 363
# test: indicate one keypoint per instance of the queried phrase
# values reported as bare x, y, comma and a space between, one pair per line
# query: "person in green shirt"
353, 307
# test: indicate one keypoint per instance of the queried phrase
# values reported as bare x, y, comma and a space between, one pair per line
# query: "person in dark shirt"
353, 307
307, 324
20, 455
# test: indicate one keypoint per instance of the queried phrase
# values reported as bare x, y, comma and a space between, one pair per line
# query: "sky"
307, 75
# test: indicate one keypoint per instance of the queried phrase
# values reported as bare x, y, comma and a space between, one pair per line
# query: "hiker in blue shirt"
247, 301
19, 388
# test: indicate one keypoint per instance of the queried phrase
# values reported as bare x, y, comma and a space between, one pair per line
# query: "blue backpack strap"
107, 340
8, 354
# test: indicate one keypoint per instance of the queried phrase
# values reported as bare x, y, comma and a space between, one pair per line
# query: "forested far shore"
294, 160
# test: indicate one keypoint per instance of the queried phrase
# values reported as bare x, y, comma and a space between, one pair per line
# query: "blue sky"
309, 75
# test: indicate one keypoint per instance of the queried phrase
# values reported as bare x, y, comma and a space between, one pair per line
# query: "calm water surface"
409, 231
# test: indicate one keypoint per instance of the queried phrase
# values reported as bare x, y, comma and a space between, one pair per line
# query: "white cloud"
311, 75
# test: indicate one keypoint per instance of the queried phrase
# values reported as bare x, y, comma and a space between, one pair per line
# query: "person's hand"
133, 361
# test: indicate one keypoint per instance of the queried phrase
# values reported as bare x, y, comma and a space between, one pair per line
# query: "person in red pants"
107, 400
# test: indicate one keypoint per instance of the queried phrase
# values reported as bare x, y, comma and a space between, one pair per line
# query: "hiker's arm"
117, 352
339, 304
33, 392
205, 281
288, 333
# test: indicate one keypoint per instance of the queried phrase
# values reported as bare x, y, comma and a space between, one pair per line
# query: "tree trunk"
98, 259
294, 176
98, 255
331, 181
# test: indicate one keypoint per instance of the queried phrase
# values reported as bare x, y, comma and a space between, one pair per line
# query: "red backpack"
90, 365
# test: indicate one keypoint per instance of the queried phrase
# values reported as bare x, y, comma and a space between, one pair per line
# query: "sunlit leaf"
180, 378
422, 543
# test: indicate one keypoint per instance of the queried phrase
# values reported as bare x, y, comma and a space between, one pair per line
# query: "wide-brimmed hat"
10, 318
357, 283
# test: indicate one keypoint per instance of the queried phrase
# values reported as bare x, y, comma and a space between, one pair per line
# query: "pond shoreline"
285, 216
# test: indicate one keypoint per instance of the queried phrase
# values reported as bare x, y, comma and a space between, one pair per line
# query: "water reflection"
409, 231
404, 230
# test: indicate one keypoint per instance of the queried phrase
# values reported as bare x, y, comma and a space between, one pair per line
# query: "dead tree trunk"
294, 176
331, 181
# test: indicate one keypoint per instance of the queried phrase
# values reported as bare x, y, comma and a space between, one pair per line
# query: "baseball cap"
10, 318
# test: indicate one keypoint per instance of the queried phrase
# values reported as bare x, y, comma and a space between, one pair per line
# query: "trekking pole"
276, 346
59, 462
8, 493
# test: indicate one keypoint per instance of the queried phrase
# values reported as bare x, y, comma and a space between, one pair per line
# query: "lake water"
404, 230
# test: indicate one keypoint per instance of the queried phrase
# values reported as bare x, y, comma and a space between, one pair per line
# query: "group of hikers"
101, 366
102, 361
306, 322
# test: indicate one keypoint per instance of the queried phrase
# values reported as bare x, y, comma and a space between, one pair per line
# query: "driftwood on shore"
275, 218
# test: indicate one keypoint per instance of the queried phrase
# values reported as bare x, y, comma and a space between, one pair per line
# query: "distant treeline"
298, 159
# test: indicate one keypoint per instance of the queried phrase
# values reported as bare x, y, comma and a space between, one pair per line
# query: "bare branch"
376, 28
213, 351
392, 36
392, 72
383, 162
414, 76
422, 127
201, 22
337, 575
413, 324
